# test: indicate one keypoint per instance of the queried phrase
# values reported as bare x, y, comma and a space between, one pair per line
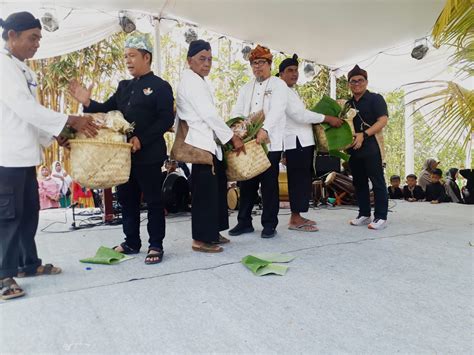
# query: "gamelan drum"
283, 186
342, 186
233, 198
317, 191
175, 193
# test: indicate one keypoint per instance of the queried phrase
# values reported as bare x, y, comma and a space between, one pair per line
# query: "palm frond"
450, 110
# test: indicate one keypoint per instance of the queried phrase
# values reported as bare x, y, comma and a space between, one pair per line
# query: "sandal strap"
154, 255
126, 249
47, 269
9, 283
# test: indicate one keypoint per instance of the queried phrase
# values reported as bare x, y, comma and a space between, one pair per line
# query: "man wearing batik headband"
270, 94
25, 126
366, 159
146, 100
299, 147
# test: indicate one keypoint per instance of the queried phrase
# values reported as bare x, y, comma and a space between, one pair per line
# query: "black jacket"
147, 101
395, 193
417, 193
435, 192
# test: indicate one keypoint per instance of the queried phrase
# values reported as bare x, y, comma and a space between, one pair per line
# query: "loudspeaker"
325, 164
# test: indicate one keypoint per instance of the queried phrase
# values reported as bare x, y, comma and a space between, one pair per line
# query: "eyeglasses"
258, 63
357, 82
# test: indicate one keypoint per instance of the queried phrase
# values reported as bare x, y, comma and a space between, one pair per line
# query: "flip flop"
207, 248
304, 228
309, 222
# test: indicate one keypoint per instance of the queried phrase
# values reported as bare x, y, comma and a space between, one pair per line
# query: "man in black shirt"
146, 100
366, 158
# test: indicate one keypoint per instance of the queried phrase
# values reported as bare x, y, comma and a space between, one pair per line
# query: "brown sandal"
10, 289
47, 269
208, 248
221, 240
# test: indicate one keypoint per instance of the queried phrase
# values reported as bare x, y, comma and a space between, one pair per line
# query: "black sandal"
154, 258
126, 249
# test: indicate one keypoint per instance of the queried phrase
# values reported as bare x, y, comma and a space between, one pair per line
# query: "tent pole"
157, 47
332, 84
467, 163
409, 139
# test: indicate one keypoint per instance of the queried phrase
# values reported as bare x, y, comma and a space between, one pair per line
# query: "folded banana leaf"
339, 138
327, 106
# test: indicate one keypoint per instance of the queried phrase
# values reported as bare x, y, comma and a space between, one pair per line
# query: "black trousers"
209, 201
364, 167
270, 195
19, 214
146, 179
299, 167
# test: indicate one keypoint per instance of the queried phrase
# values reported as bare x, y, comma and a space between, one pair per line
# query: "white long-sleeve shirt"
299, 122
25, 125
195, 105
270, 95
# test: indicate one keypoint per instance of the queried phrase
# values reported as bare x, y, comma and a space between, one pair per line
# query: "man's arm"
83, 95
14, 95
206, 110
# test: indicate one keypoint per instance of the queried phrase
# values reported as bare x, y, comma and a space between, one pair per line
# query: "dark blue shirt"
370, 107
148, 102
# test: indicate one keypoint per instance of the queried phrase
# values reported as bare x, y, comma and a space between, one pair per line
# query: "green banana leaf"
327, 106
338, 138
106, 256
339, 154
264, 264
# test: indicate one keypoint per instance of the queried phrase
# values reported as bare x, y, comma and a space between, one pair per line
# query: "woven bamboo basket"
249, 165
100, 164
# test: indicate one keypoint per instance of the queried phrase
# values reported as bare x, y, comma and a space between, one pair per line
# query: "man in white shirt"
195, 105
269, 94
25, 125
299, 147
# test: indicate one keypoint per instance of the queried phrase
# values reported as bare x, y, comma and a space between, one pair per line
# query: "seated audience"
411, 191
48, 189
435, 192
468, 190
425, 175
451, 186
394, 190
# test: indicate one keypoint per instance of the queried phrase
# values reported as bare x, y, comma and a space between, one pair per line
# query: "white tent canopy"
377, 34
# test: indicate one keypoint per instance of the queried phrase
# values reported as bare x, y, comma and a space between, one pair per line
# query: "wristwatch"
365, 135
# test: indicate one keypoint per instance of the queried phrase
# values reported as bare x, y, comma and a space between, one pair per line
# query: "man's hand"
435, 202
63, 142
333, 121
80, 93
262, 136
136, 145
83, 124
358, 140
238, 144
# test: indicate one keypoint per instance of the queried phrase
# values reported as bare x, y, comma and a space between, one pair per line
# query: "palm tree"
451, 106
